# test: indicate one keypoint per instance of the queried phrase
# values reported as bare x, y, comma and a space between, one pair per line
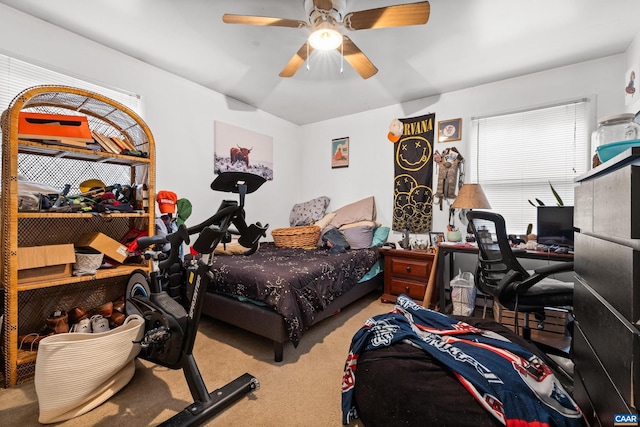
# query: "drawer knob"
406, 289
408, 268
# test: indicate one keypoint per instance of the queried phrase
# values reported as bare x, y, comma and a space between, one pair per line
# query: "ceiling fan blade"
323, 4
390, 16
357, 58
296, 62
262, 20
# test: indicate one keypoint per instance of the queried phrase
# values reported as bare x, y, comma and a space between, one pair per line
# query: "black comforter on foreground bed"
297, 283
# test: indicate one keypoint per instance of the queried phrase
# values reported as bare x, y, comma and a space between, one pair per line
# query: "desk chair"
500, 274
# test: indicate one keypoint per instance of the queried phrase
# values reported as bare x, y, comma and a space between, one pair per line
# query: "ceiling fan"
327, 17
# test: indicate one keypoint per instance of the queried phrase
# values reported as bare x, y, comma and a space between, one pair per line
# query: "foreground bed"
278, 293
415, 367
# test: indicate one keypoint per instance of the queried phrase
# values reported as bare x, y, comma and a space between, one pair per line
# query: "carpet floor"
302, 390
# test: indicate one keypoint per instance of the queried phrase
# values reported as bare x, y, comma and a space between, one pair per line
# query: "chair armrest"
505, 287
560, 267
541, 273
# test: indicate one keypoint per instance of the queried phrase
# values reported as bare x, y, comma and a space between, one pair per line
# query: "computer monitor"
555, 226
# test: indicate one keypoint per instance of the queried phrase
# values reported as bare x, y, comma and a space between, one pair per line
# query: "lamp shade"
471, 196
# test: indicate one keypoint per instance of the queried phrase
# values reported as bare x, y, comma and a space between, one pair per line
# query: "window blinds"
518, 155
16, 76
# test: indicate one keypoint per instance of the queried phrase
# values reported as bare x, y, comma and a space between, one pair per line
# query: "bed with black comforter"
280, 292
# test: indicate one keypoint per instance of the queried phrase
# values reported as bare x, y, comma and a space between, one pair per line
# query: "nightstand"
406, 272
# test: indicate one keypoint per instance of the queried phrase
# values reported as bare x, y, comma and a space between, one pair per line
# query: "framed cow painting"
241, 150
339, 153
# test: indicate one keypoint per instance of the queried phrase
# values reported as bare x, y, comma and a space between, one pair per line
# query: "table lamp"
471, 196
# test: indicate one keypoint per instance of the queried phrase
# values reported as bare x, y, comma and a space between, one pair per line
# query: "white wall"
371, 171
179, 113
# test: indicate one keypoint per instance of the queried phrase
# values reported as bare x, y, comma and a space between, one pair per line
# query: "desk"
447, 250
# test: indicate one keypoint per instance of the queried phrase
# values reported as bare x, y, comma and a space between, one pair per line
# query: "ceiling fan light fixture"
325, 38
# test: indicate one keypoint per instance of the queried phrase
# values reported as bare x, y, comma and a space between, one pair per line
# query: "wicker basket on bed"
305, 236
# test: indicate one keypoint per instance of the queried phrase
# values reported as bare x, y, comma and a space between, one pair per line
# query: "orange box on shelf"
37, 263
53, 126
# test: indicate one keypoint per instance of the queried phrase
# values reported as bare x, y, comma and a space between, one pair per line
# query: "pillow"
335, 241
305, 213
359, 237
323, 231
325, 220
362, 210
380, 235
360, 224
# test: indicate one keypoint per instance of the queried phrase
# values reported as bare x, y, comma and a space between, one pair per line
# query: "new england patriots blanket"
510, 382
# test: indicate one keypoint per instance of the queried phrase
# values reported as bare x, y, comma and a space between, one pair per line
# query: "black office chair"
500, 274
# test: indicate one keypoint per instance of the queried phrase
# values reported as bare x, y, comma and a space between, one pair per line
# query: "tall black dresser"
606, 342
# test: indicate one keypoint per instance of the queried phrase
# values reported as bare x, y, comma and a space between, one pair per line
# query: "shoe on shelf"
58, 322
116, 319
118, 304
105, 309
83, 326
76, 314
99, 324
30, 342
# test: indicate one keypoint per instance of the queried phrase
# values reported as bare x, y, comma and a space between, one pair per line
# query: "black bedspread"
296, 283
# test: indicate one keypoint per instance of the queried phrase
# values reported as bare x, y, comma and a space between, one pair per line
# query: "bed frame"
265, 322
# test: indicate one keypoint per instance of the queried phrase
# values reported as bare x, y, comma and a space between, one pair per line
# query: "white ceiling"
465, 43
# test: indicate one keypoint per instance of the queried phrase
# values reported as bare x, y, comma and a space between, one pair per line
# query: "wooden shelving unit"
27, 304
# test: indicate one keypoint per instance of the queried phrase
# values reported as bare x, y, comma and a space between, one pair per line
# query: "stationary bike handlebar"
175, 239
218, 229
222, 213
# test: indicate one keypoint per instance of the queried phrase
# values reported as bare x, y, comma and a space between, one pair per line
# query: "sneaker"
99, 324
83, 325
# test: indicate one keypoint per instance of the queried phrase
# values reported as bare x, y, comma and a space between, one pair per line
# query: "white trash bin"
463, 294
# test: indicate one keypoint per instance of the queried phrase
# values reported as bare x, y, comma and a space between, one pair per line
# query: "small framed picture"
435, 237
339, 153
450, 130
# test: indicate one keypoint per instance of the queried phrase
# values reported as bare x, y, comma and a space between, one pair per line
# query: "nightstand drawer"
414, 290
412, 268
405, 272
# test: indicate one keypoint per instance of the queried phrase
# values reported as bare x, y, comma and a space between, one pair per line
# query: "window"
517, 156
16, 76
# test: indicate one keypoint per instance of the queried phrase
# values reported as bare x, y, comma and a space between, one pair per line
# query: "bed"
394, 381
278, 293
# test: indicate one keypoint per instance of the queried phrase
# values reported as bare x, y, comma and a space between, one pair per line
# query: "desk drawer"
612, 270
415, 290
613, 340
410, 268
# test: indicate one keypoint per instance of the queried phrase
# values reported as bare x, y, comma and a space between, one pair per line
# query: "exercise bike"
170, 327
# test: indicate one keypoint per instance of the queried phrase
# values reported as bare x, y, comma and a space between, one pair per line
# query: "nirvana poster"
413, 193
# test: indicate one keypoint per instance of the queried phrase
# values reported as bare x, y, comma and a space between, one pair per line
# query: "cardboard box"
36, 263
105, 244
53, 126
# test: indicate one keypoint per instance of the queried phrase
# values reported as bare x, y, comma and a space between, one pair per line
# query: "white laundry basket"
75, 372
463, 294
